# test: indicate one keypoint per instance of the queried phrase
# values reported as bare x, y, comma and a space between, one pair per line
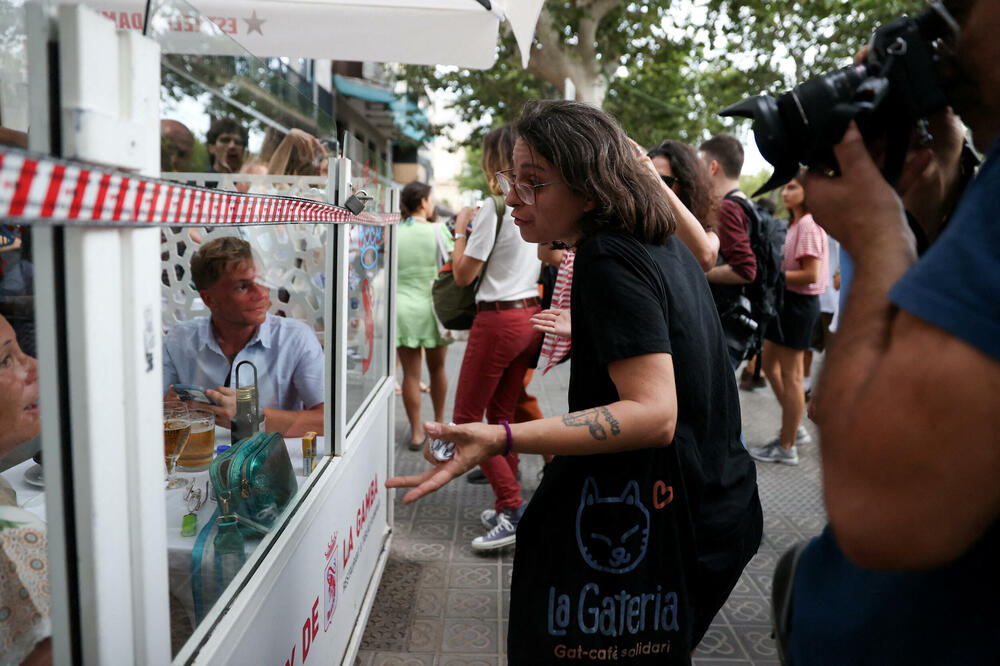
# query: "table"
179, 548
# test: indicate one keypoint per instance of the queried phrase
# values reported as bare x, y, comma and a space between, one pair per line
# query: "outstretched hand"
474, 443
553, 321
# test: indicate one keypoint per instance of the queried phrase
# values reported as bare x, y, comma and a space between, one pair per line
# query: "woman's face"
427, 207
557, 211
662, 165
19, 420
793, 195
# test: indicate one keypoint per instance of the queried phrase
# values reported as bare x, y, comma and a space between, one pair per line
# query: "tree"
664, 68
586, 41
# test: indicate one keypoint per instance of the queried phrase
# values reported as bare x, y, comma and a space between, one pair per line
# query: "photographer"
908, 393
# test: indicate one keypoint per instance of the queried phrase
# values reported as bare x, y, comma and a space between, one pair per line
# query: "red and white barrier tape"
48, 190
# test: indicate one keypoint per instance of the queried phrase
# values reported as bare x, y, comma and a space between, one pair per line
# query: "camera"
897, 87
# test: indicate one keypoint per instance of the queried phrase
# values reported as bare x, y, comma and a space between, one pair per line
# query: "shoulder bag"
455, 306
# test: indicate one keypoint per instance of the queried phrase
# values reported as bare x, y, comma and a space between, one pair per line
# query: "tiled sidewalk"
442, 603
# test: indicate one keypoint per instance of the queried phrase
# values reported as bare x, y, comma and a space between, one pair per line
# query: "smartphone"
193, 393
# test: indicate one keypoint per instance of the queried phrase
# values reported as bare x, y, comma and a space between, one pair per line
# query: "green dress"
416, 270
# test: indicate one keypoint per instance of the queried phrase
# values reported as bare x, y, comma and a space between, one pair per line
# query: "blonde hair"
498, 151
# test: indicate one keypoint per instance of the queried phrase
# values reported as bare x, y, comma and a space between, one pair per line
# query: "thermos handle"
256, 399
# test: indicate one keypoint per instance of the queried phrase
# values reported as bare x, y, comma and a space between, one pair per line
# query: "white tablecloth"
179, 549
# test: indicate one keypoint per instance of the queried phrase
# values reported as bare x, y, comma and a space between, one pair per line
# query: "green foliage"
472, 178
668, 74
813, 37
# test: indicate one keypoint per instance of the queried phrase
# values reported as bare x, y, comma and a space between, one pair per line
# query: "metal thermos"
248, 418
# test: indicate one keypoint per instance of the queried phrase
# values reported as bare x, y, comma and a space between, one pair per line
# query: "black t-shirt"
611, 547
618, 313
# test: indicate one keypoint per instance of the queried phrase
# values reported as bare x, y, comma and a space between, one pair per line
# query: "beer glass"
176, 433
201, 444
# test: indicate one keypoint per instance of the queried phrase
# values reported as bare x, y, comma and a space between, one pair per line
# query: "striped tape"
44, 189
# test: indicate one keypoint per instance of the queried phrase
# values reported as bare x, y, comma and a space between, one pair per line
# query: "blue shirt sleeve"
309, 377
956, 285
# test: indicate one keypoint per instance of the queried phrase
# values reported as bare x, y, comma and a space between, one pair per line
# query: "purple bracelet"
510, 438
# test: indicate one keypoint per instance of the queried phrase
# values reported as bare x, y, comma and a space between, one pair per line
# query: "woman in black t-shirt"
647, 515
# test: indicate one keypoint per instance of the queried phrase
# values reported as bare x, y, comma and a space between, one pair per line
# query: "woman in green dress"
420, 244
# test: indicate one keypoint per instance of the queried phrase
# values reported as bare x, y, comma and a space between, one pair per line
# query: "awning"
421, 32
407, 116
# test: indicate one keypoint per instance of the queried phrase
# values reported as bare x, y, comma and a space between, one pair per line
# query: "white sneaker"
802, 436
774, 453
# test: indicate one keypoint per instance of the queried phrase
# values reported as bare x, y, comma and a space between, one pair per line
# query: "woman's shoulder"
808, 223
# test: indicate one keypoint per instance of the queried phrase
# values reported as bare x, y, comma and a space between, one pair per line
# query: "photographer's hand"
858, 208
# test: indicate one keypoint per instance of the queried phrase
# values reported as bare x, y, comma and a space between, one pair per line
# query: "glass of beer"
176, 432
201, 444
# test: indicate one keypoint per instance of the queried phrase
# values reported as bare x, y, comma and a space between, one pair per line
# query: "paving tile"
402, 659
472, 603
364, 658
468, 660
720, 642
434, 511
783, 540
743, 610
462, 551
762, 581
470, 636
423, 550
425, 636
480, 576
428, 603
432, 530
756, 640
432, 575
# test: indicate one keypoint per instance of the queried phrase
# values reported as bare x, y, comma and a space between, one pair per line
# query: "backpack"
745, 319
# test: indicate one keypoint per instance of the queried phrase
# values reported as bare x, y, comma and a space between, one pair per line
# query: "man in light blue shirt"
288, 357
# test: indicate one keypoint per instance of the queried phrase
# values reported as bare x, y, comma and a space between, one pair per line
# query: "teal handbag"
253, 482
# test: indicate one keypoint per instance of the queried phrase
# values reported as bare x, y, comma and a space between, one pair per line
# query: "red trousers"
501, 347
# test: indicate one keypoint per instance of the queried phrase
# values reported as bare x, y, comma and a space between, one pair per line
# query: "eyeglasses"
525, 192
669, 180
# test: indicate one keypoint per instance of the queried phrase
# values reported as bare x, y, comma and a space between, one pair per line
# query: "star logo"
254, 24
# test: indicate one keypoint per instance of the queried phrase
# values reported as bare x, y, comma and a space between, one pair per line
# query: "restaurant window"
251, 130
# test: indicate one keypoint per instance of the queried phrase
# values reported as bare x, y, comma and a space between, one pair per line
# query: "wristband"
510, 438
457, 236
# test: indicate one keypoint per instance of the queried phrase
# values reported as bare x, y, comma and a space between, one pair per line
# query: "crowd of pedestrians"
657, 312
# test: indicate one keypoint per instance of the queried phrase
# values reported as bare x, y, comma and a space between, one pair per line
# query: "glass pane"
367, 279
24, 594
13, 74
251, 293
225, 111
367, 319
234, 121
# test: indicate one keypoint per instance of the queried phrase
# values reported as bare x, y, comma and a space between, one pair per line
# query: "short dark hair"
727, 151
413, 193
216, 257
598, 161
222, 126
695, 187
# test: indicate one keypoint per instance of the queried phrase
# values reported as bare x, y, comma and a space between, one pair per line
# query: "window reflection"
231, 295
367, 318
24, 592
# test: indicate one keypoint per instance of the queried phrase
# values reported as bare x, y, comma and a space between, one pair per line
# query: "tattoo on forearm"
595, 420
